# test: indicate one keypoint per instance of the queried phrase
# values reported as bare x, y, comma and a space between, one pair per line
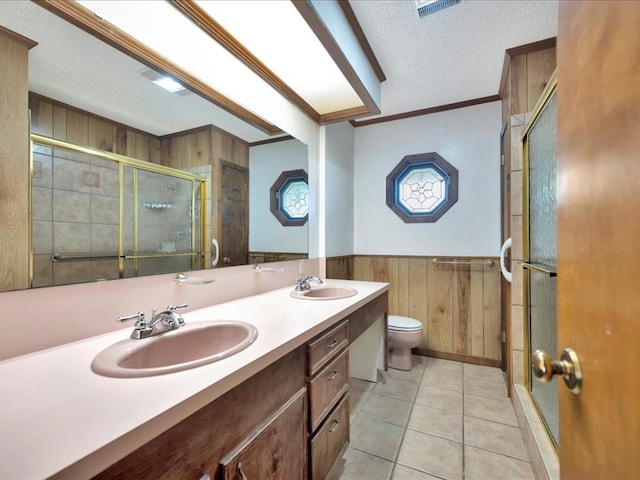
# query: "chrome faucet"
162, 322
302, 283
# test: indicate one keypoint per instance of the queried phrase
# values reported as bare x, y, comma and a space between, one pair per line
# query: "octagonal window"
289, 198
422, 187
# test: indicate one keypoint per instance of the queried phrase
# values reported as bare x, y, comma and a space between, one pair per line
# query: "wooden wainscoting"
458, 304
266, 257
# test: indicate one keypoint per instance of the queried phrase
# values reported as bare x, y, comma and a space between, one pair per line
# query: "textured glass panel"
168, 264
164, 213
542, 250
293, 199
422, 189
158, 220
542, 299
542, 191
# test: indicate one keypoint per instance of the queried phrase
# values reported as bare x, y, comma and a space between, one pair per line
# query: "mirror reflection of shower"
101, 216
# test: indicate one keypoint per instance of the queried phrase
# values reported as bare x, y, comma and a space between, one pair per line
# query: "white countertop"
57, 415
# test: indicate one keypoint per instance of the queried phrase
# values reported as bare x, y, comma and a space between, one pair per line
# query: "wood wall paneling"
440, 308
458, 305
462, 309
477, 297
540, 67
492, 313
14, 162
417, 294
518, 84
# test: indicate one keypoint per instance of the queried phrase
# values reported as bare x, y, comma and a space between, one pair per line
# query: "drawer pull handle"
333, 375
332, 344
240, 472
333, 427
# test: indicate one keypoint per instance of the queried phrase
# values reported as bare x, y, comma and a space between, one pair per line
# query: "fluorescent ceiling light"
275, 32
168, 84
271, 29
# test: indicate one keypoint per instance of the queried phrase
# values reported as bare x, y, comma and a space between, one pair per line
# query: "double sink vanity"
248, 389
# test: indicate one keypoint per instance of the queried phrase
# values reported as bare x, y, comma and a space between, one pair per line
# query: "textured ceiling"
453, 55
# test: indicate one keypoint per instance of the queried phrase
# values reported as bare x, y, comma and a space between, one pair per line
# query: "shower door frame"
125, 161
538, 110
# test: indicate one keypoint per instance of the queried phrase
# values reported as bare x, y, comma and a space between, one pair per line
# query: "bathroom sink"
325, 292
193, 345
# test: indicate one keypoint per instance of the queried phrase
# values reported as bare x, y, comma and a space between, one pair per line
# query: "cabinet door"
276, 450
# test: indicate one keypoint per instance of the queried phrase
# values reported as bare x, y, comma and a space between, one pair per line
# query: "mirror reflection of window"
289, 198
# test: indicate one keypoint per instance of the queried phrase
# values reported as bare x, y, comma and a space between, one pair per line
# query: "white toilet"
404, 333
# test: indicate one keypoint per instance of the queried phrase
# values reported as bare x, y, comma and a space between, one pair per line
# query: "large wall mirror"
87, 93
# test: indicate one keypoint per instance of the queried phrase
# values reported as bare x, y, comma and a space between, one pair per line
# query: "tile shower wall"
75, 211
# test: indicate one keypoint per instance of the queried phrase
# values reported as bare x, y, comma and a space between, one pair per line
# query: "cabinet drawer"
326, 388
330, 439
325, 347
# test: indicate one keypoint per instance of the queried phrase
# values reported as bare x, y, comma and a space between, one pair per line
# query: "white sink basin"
193, 345
325, 292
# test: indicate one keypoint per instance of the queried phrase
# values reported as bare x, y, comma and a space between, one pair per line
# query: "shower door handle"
503, 255
544, 368
215, 244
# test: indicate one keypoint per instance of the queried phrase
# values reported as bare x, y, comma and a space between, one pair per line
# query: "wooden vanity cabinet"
288, 421
327, 386
270, 406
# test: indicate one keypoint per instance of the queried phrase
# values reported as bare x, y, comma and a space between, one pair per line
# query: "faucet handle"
173, 308
140, 322
138, 316
177, 316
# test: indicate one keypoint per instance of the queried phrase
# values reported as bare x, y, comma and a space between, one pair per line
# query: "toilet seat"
403, 324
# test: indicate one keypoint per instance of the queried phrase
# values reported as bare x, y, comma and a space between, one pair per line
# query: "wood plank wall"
63, 122
206, 146
458, 305
14, 162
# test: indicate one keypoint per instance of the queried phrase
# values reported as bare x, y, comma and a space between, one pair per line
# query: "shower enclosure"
97, 215
540, 272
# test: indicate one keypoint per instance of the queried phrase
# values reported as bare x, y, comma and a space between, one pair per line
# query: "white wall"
339, 198
469, 139
266, 163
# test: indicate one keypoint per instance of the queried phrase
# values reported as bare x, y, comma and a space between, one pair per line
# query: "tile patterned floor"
441, 420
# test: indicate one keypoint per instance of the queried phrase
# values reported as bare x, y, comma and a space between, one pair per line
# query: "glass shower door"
161, 223
540, 270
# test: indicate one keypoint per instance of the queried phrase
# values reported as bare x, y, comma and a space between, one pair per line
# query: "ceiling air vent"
427, 7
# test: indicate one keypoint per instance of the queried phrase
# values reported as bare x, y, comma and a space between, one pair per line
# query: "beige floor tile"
434, 421
358, 384
387, 409
484, 388
491, 374
481, 465
400, 472
433, 455
449, 379
356, 465
495, 437
439, 398
442, 364
397, 388
375, 437
494, 409
413, 375
357, 399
